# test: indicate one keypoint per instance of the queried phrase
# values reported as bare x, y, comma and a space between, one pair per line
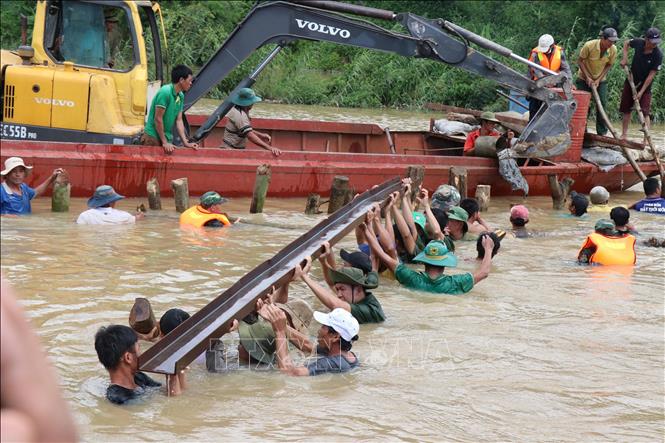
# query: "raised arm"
280, 295
39, 190
484, 269
277, 319
325, 295
327, 261
389, 214
407, 209
301, 341
377, 250
409, 241
432, 222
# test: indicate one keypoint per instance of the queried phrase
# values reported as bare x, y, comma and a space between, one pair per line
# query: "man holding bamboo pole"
647, 61
595, 60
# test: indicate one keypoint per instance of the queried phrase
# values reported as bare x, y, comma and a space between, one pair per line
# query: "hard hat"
599, 195
544, 42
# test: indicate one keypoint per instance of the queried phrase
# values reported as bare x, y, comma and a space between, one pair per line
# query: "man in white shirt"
102, 210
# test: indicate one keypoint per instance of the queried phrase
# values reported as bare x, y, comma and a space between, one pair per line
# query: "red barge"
63, 104
315, 152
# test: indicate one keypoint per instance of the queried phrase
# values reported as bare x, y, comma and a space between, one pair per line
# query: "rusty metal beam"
181, 346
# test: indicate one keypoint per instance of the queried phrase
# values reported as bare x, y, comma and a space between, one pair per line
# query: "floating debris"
654, 242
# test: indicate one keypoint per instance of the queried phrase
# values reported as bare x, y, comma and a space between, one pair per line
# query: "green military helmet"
445, 197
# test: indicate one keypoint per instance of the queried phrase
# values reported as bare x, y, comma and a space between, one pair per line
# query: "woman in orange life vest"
550, 56
607, 247
207, 213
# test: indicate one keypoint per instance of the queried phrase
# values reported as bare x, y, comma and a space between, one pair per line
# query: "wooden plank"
182, 345
602, 140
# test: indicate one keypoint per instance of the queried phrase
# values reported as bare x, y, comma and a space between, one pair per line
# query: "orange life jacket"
197, 216
611, 250
553, 63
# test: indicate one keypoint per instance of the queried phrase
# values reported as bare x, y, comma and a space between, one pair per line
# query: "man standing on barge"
595, 60
647, 61
166, 109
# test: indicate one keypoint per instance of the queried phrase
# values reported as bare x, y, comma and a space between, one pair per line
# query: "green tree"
335, 75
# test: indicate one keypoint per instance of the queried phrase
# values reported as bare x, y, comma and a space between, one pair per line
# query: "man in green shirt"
166, 109
436, 257
351, 292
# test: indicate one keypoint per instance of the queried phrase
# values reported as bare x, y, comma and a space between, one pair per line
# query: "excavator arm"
281, 22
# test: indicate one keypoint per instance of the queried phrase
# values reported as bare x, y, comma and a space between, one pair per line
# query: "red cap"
519, 211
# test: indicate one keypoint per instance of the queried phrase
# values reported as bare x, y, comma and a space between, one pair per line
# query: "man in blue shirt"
15, 195
333, 352
653, 203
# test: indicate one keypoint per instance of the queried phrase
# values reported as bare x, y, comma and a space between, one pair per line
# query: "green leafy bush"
327, 74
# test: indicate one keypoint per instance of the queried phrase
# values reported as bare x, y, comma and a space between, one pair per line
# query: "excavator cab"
89, 74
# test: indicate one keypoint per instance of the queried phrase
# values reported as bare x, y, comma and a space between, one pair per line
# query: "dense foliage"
322, 73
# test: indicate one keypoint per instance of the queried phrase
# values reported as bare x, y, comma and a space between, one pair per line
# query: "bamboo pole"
601, 110
647, 134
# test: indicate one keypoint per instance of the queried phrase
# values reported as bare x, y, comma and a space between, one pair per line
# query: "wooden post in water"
141, 317
417, 174
338, 193
457, 178
263, 174
180, 193
61, 193
349, 195
483, 196
154, 196
601, 110
560, 190
313, 203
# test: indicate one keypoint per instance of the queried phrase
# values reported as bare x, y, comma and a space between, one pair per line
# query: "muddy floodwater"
542, 350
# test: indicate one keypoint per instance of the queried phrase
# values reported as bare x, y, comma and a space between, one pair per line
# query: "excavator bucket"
548, 134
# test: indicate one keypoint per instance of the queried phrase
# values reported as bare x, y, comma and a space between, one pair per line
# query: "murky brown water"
542, 350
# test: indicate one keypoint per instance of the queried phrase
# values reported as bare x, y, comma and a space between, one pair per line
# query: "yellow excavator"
85, 77
94, 66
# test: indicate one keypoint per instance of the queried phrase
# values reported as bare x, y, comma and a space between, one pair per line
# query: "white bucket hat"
341, 321
14, 162
544, 42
